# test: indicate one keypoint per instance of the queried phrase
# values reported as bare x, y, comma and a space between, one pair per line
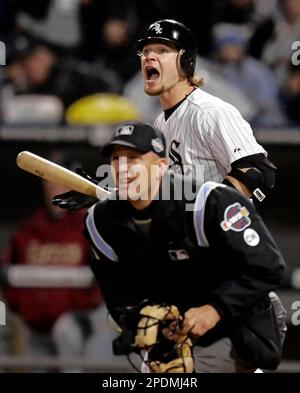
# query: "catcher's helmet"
171, 31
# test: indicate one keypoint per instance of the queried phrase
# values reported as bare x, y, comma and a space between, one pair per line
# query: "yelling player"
203, 132
205, 135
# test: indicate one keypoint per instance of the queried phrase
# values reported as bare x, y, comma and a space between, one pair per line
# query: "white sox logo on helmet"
157, 28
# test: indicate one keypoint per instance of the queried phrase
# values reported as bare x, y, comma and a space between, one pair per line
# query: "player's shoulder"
159, 120
219, 195
227, 192
209, 104
99, 220
98, 229
204, 193
221, 205
104, 209
108, 211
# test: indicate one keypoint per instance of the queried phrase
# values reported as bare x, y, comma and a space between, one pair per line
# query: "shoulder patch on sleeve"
97, 239
236, 218
251, 237
199, 211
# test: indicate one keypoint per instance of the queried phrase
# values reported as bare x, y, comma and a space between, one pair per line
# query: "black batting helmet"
171, 31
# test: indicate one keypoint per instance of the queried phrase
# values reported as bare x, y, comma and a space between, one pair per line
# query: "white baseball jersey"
205, 135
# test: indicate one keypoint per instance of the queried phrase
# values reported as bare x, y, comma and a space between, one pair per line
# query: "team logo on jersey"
157, 145
157, 28
236, 217
178, 255
124, 130
251, 237
177, 164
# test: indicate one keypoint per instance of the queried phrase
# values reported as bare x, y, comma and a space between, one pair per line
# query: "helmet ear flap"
186, 62
180, 62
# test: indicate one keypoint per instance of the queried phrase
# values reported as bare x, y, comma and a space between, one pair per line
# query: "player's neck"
175, 94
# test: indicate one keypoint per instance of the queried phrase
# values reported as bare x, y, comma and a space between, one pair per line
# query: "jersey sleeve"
104, 261
159, 121
94, 233
247, 254
230, 136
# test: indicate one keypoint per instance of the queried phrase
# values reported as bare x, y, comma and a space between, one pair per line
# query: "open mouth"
152, 74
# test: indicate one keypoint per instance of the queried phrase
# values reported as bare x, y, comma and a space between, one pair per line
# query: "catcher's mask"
143, 332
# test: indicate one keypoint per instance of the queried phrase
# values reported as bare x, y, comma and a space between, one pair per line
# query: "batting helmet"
171, 31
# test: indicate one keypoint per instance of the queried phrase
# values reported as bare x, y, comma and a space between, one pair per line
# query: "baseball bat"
55, 173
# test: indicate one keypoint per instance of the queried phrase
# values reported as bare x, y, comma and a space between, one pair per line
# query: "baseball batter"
205, 136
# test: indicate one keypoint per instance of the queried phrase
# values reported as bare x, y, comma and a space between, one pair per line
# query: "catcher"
201, 256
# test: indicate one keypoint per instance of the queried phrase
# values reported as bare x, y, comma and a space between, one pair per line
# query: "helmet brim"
107, 149
147, 40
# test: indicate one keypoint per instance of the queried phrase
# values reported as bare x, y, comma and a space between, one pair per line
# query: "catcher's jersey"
205, 135
218, 250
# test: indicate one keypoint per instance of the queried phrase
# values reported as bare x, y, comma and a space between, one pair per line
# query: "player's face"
159, 64
134, 172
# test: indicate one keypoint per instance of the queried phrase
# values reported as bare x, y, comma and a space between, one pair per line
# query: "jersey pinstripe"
206, 134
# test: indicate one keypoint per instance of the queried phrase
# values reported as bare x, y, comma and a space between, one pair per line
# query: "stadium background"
42, 131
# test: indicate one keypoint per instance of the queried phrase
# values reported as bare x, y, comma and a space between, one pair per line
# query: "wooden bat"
55, 173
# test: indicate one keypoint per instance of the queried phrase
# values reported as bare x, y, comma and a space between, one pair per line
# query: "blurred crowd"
53, 305
75, 61
60, 51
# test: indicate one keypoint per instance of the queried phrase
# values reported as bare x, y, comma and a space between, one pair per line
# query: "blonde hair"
196, 80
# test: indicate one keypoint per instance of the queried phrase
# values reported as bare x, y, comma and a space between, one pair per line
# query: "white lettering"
2, 53
119, 383
295, 319
135, 181
2, 314
296, 54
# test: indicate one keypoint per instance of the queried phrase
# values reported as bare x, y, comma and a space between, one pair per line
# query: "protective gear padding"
261, 176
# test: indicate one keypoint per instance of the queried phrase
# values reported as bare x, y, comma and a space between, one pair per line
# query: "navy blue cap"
140, 136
